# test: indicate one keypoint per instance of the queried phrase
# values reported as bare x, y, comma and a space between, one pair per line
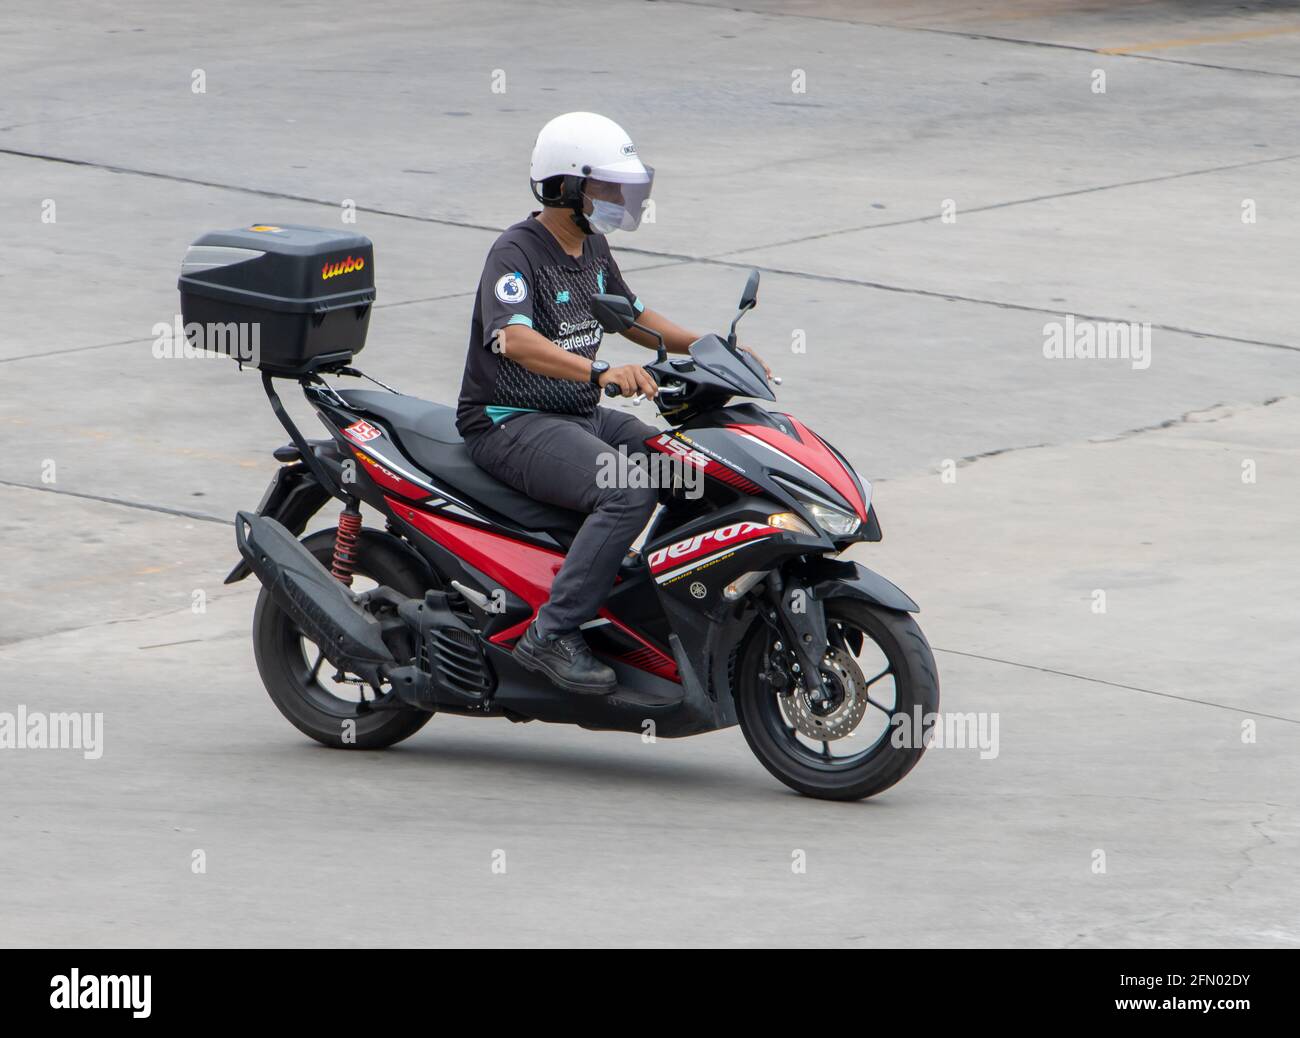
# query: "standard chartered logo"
579, 334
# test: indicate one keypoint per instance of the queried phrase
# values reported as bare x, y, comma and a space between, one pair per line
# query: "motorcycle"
736, 610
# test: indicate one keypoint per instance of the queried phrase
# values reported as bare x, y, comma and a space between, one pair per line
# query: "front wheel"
859, 740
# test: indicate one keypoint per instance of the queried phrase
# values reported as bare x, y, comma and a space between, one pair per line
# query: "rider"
528, 402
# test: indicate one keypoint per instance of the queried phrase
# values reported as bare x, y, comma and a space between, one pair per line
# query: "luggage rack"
311, 374
325, 363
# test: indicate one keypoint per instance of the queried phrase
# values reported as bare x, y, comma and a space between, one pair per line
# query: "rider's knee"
631, 501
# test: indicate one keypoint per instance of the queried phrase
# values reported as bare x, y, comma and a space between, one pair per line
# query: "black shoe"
566, 660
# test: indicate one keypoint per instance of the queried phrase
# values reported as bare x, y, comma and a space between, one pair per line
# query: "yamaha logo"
699, 590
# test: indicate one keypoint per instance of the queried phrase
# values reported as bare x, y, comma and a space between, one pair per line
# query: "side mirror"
614, 313
748, 300
749, 297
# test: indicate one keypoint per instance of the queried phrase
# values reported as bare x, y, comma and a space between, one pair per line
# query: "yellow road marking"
1196, 41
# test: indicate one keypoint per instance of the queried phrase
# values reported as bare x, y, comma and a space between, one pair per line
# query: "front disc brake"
839, 669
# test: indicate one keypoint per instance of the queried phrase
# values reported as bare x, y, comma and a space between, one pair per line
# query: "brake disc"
840, 669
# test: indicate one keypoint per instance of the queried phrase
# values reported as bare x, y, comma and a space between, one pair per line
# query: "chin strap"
570, 198
580, 218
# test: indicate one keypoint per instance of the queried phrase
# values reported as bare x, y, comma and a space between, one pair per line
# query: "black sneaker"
566, 660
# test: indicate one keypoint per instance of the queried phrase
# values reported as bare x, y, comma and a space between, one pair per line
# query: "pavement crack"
161, 509
955, 297
1120, 685
285, 196
674, 258
970, 459
154, 614
259, 192
1196, 416
1248, 852
990, 37
1011, 203
73, 349
1102, 52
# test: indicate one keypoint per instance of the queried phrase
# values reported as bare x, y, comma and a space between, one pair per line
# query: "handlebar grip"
612, 389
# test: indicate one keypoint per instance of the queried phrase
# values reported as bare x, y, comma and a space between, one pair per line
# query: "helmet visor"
616, 204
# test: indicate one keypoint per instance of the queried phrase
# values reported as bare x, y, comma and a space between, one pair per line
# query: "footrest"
632, 699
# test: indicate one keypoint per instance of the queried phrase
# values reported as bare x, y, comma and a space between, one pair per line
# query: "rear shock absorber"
345, 543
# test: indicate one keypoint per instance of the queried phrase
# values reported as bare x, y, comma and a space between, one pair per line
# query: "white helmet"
587, 163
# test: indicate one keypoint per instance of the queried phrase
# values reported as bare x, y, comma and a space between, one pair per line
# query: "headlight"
832, 520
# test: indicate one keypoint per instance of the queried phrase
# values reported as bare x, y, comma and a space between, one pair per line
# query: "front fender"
835, 578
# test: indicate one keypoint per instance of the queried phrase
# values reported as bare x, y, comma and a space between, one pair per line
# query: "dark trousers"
563, 460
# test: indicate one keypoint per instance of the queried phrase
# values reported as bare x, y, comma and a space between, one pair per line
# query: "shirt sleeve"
617, 285
505, 292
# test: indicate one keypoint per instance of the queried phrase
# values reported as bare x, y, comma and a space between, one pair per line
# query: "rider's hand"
630, 379
766, 370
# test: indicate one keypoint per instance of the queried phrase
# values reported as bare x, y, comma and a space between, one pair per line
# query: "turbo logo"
692, 552
347, 266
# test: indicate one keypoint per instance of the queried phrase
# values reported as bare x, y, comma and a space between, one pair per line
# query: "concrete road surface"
1105, 550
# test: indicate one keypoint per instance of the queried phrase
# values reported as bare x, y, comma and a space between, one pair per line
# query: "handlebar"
612, 389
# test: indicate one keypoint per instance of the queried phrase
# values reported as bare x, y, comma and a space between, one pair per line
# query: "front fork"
800, 619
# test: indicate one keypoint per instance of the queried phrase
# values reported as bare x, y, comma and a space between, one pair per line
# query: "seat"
427, 433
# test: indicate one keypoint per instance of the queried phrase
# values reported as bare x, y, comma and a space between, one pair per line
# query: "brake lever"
613, 390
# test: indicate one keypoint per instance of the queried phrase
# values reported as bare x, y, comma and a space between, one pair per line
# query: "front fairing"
706, 378
776, 456
730, 368
754, 450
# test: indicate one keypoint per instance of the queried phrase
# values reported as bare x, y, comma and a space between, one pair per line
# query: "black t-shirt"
528, 279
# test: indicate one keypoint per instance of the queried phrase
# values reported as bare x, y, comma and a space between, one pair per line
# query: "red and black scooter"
736, 610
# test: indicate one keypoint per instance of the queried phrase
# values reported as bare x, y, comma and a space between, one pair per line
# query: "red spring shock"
345, 544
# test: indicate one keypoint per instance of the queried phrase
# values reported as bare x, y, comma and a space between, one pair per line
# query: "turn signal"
791, 522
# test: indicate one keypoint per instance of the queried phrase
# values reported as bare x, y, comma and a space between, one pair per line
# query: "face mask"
605, 217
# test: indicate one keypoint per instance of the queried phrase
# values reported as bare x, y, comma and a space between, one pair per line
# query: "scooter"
737, 609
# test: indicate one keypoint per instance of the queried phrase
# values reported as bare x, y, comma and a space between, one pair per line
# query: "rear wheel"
878, 669
333, 708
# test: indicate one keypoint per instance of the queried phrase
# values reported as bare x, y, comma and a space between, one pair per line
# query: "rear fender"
291, 499
294, 496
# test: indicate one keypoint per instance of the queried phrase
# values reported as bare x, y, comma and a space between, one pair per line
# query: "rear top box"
288, 300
